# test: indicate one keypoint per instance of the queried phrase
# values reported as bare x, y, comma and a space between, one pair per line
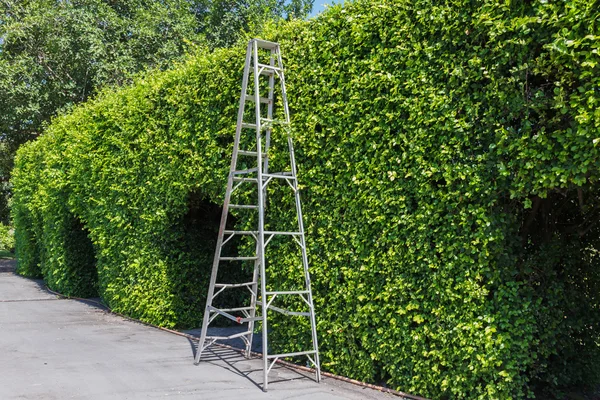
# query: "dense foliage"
7, 239
449, 157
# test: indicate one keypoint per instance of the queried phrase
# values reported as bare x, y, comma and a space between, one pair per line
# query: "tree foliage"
55, 53
449, 161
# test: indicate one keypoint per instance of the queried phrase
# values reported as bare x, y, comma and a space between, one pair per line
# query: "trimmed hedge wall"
448, 152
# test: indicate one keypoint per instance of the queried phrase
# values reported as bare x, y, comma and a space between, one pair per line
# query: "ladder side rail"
301, 226
261, 222
215, 266
270, 99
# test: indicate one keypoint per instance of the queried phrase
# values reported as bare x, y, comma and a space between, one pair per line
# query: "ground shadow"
7, 265
232, 359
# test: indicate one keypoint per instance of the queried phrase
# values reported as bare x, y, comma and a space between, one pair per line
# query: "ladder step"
299, 353
263, 100
267, 72
284, 292
280, 175
231, 285
265, 44
248, 153
238, 258
244, 206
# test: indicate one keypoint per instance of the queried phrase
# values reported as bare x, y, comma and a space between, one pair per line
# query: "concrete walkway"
53, 349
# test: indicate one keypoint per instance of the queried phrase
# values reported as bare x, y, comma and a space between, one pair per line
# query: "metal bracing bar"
306, 301
226, 240
272, 67
265, 183
272, 363
237, 335
200, 350
270, 301
299, 243
239, 320
293, 186
288, 312
216, 294
298, 353
268, 240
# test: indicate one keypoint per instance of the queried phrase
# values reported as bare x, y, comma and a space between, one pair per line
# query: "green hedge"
449, 162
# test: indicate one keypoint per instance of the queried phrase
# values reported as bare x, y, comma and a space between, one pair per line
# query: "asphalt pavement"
58, 349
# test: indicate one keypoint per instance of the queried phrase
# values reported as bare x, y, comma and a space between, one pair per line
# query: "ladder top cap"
263, 44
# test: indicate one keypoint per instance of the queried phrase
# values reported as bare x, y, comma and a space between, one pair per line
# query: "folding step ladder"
259, 177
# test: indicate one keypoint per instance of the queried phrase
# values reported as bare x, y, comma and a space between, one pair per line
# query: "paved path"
54, 349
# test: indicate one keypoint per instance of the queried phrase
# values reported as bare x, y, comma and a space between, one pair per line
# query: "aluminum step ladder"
259, 177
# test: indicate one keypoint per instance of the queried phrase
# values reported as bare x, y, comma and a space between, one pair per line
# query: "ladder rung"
245, 171
248, 125
243, 206
283, 233
248, 153
299, 353
242, 179
288, 312
263, 100
237, 309
264, 44
230, 285
238, 258
266, 233
288, 292
241, 232
282, 175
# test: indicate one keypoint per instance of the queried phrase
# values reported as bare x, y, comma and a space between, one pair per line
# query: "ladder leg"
215, 267
261, 224
253, 299
313, 323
